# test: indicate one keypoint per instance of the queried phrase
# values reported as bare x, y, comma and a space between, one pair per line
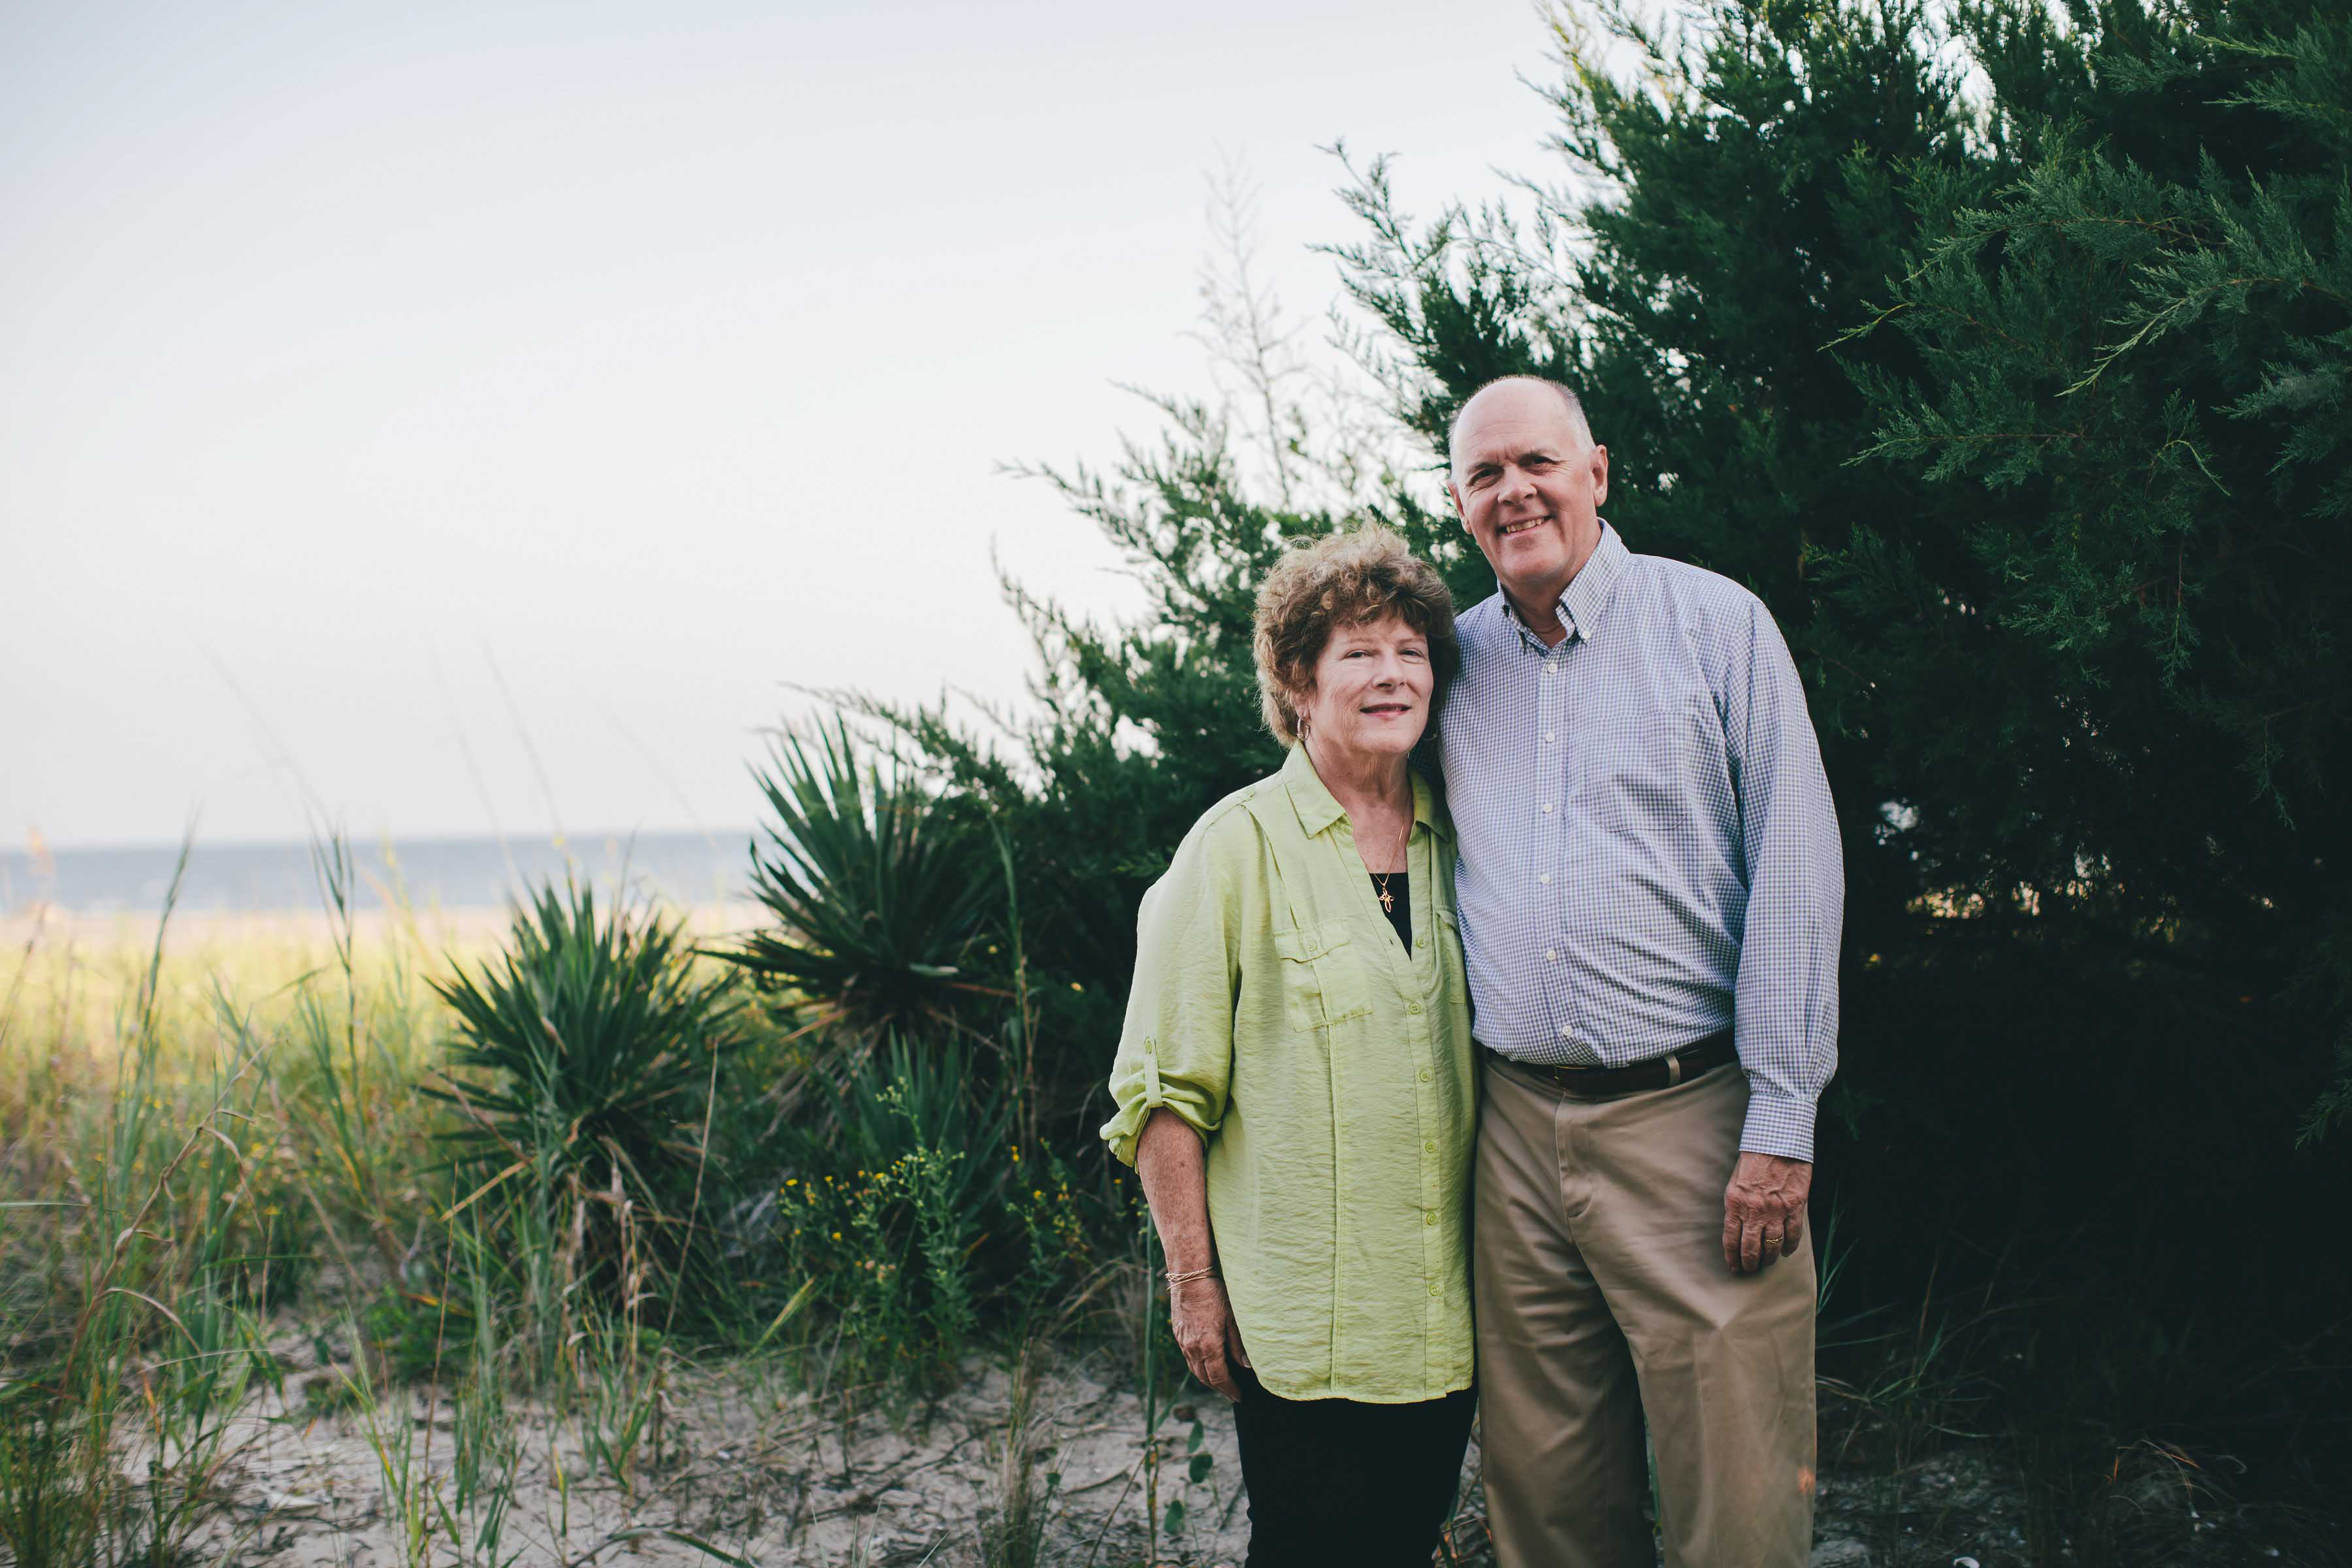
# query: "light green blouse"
1329, 1072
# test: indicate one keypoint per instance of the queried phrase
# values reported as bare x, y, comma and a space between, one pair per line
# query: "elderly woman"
1294, 1082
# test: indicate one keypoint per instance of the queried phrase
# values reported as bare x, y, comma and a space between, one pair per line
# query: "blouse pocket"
1453, 974
1322, 975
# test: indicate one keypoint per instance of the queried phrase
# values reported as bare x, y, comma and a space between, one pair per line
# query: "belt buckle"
1673, 1069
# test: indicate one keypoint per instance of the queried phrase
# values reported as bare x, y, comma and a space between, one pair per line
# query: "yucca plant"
878, 891
579, 1056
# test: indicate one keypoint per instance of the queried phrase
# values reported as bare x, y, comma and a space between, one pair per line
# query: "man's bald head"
1569, 401
1529, 481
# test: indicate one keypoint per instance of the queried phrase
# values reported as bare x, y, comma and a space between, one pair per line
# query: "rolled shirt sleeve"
1786, 1016
1176, 1049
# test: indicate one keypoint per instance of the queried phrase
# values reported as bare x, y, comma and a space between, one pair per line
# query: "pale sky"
652, 357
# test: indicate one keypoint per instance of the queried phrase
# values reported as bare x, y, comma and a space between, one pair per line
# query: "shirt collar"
1587, 595
1317, 808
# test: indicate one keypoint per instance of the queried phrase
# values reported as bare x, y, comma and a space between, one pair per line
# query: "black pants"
1338, 1482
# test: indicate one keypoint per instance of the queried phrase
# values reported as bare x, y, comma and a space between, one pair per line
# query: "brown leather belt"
1607, 1083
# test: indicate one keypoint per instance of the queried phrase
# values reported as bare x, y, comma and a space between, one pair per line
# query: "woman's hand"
1205, 1331
1168, 1157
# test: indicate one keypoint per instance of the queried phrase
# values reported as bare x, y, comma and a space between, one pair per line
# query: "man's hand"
1207, 1334
1764, 1210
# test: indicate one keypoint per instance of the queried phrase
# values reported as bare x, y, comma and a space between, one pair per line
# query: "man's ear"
1454, 496
1600, 475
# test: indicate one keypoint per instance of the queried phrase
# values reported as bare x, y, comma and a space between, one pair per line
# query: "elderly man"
1650, 888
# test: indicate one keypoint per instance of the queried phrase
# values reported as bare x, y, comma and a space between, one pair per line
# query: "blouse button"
1413, 1007
1425, 1074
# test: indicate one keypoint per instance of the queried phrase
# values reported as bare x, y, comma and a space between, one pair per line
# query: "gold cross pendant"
1388, 901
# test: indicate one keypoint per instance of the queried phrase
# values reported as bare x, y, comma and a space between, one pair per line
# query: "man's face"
1528, 485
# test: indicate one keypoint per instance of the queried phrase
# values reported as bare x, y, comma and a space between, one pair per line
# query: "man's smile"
1507, 530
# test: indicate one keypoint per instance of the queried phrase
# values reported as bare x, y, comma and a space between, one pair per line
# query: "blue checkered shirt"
1648, 851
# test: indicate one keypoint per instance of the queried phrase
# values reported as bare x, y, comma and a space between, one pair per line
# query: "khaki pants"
1602, 1297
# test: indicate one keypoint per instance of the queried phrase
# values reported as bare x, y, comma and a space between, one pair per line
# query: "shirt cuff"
1777, 1123
1123, 1130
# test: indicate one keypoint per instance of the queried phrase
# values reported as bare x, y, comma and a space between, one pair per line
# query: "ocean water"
685, 868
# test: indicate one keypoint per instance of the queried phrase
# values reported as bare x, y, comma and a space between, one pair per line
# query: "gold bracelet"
1191, 1274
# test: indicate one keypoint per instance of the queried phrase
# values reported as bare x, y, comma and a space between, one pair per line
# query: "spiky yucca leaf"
878, 891
587, 1036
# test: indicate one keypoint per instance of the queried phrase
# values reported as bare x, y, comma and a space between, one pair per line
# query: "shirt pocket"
1323, 979
1650, 756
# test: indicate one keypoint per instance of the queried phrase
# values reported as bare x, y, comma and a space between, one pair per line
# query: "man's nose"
1517, 483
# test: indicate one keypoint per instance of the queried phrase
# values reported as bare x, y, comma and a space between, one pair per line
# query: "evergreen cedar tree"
2025, 413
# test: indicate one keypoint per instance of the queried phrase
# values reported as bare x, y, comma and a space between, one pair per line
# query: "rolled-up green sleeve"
1177, 1047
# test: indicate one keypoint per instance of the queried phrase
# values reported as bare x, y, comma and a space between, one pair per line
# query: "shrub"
580, 1061
889, 1200
876, 891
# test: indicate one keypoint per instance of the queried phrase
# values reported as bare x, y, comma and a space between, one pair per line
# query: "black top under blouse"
1400, 910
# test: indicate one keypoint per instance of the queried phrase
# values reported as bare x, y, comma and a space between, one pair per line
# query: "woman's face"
1372, 690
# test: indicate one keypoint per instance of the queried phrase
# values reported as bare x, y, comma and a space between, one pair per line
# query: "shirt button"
1552, 955
1412, 1007
1547, 737
1567, 1033
1437, 1290
1149, 1048
1547, 807
1429, 1145
1545, 877
1425, 1074
1429, 1219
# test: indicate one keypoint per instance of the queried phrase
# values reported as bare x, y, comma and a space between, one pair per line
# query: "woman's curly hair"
1343, 580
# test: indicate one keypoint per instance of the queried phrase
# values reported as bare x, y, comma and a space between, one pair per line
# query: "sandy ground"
766, 1475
